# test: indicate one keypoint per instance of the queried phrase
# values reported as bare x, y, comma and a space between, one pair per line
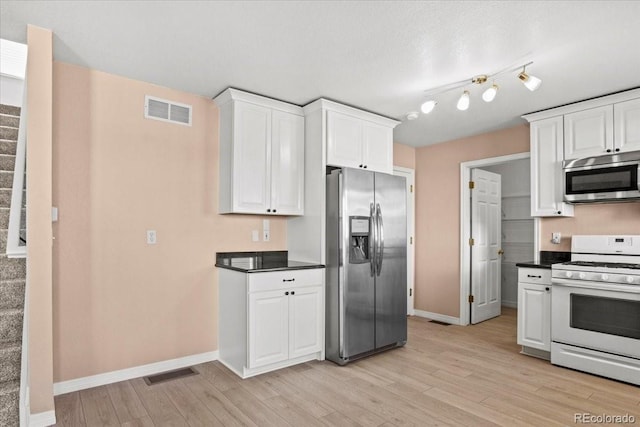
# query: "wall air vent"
167, 111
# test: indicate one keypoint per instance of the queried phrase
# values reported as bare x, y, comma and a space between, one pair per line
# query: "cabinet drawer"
534, 275
275, 280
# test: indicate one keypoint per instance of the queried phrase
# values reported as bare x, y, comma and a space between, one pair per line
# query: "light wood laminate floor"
445, 375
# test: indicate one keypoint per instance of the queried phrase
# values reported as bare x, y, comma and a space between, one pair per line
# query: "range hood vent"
167, 111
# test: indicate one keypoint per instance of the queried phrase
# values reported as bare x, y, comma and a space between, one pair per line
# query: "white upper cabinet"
588, 133
546, 169
261, 155
626, 117
359, 143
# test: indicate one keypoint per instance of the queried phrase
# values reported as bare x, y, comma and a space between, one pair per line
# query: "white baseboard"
511, 304
42, 419
439, 317
134, 372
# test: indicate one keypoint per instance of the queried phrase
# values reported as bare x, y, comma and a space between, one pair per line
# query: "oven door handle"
617, 287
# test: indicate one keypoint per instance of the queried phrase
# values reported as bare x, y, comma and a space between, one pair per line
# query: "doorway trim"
411, 233
465, 223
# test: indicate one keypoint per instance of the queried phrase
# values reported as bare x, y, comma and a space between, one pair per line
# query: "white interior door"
409, 175
486, 221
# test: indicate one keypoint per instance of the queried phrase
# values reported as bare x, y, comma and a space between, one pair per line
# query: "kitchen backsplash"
605, 218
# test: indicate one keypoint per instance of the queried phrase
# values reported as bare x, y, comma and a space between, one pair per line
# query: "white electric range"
595, 307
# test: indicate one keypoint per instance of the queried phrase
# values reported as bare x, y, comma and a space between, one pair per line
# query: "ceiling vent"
167, 111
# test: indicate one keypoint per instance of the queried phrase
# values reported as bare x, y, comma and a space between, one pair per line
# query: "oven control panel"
628, 279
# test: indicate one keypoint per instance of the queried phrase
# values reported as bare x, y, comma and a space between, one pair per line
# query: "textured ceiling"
376, 55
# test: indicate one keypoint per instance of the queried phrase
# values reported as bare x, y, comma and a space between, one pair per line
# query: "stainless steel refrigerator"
366, 261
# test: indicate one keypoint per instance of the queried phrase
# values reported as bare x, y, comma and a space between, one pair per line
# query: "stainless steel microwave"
611, 178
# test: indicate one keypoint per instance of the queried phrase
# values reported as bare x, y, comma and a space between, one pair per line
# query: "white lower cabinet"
270, 320
534, 311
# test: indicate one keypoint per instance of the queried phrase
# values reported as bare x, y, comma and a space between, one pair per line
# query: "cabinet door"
626, 117
287, 160
588, 133
344, 140
534, 316
268, 328
306, 314
546, 169
251, 158
377, 147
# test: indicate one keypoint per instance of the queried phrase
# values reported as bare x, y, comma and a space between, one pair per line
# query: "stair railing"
16, 244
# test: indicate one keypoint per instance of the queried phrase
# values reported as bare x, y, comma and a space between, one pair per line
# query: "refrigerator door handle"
380, 237
372, 239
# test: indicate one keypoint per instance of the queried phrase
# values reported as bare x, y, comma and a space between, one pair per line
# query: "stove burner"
603, 264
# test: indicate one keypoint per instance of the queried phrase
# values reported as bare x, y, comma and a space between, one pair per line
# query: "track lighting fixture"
490, 94
428, 106
463, 102
531, 82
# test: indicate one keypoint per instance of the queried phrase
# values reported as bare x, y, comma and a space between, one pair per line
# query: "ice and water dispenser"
358, 239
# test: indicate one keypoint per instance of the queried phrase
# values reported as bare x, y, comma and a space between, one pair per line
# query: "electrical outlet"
152, 237
555, 238
266, 232
255, 236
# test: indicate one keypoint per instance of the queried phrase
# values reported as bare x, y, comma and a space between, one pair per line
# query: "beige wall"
438, 212
614, 218
404, 156
119, 302
39, 275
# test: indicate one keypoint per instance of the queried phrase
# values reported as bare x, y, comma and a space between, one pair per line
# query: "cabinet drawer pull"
535, 277
289, 280
286, 293
293, 292
546, 289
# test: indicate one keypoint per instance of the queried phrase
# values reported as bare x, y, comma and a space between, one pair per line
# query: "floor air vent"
437, 322
168, 376
167, 111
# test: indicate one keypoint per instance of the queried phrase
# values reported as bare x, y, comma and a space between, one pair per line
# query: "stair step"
10, 325
8, 147
10, 403
7, 162
10, 134
12, 294
9, 121
10, 110
5, 197
12, 268
10, 361
6, 179
4, 218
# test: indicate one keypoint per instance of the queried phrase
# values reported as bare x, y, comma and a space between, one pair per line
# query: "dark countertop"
547, 258
258, 262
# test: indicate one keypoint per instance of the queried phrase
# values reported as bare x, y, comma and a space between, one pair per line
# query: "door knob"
500, 252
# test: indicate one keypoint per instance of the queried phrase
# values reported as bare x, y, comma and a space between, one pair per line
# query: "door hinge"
470, 298
411, 240
410, 292
471, 242
472, 185
411, 188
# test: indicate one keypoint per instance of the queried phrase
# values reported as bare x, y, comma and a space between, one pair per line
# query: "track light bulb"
490, 94
463, 102
428, 106
531, 82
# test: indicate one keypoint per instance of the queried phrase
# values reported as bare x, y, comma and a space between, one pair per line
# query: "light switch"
255, 236
266, 232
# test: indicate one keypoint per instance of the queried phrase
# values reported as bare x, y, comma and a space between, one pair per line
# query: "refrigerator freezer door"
358, 312
391, 283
